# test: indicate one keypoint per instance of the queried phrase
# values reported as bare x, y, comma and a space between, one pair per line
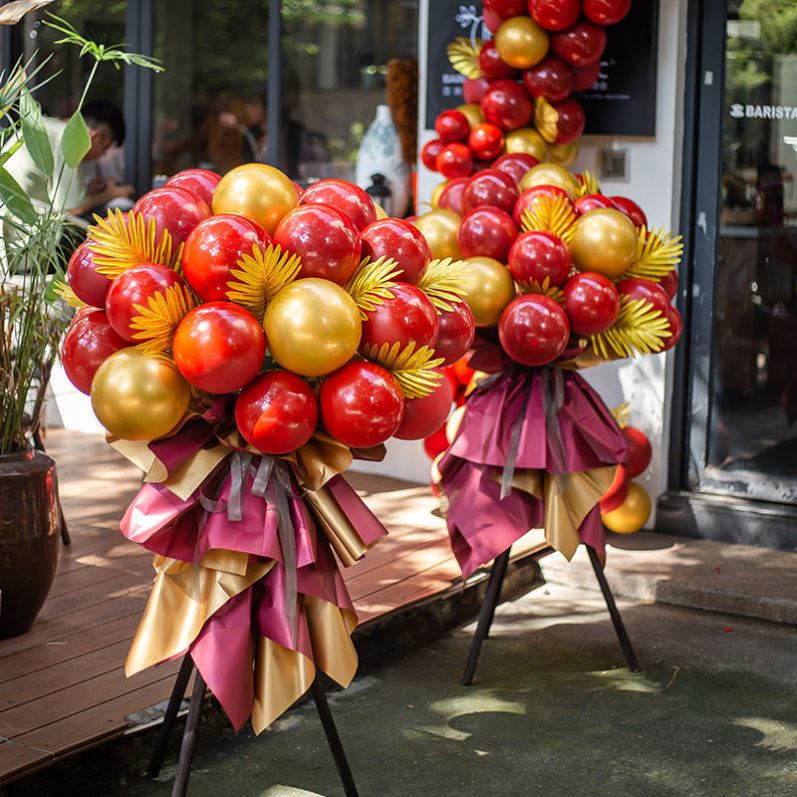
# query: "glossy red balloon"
504, 9
617, 492
585, 77
457, 331
88, 284
213, 250
490, 188
174, 209
325, 239
676, 328
552, 78
298, 188
277, 412
219, 347
533, 329
670, 283
473, 89
554, 14
531, 195
649, 291
455, 160
463, 371
631, 209
451, 196
452, 126
409, 316
436, 443
507, 104
88, 342
580, 45
346, 197
491, 64
486, 141
591, 302
361, 404
515, 164
486, 231
584, 204
199, 182
606, 12
639, 452
429, 152
423, 416
401, 241
570, 124
132, 287
538, 255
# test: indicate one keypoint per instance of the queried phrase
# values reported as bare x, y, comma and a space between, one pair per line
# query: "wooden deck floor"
62, 687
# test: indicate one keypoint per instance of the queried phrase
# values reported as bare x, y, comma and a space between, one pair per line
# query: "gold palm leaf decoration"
550, 213
442, 282
64, 291
119, 244
546, 289
156, 323
639, 329
463, 54
658, 252
588, 184
546, 119
370, 285
260, 276
622, 414
413, 370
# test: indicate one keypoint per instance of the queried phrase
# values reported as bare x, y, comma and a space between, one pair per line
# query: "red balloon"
631, 209
451, 196
457, 330
463, 371
277, 412
486, 141
592, 303
361, 404
617, 492
486, 231
346, 197
554, 14
531, 195
580, 45
507, 105
88, 284
537, 255
515, 164
570, 124
409, 316
299, 189
638, 288
452, 126
401, 241
676, 328
492, 65
504, 9
455, 161
219, 347
584, 204
199, 182
606, 12
552, 78
533, 329
670, 283
325, 239
422, 416
490, 188
639, 452
429, 152
213, 250
132, 287
436, 443
88, 342
174, 209
473, 89
585, 77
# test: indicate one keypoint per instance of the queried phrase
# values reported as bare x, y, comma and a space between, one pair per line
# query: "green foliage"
34, 134
76, 141
15, 199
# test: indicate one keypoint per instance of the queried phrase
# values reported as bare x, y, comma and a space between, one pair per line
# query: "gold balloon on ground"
632, 514
604, 241
527, 141
489, 289
139, 397
521, 42
564, 154
550, 174
312, 327
473, 113
439, 227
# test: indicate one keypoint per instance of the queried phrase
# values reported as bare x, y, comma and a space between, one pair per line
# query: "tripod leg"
169, 717
486, 614
189, 737
617, 620
333, 739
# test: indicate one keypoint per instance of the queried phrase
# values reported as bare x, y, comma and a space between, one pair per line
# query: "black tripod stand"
192, 723
493, 594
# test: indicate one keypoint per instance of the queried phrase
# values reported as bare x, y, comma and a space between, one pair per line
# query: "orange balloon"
632, 514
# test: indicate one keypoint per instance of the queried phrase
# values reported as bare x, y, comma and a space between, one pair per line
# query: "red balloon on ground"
592, 303
515, 164
537, 255
400, 241
452, 126
491, 64
617, 492
451, 196
408, 317
531, 195
200, 182
554, 14
350, 199
277, 412
533, 329
585, 77
457, 328
486, 231
606, 12
584, 204
455, 160
88, 342
580, 45
429, 152
504, 9
570, 124
507, 105
490, 188
552, 78
422, 416
88, 284
639, 452
486, 141
631, 209
174, 209
473, 89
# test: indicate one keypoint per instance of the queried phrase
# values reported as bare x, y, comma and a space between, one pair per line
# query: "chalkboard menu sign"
622, 102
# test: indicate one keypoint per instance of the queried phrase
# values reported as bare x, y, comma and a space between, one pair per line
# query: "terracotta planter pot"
29, 529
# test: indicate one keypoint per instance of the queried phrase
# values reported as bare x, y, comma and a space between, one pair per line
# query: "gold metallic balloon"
550, 174
312, 327
139, 397
259, 192
528, 141
381, 213
473, 113
564, 154
521, 42
604, 241
489, 289
632, 514
439, 227
438, 190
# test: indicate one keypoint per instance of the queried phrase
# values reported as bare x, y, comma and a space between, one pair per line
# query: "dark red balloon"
325, 239
429, 152
213, 250
532, 195
586, 77
580, 45
515, 164
538, 255
361, 404
473, 89
486, 141
552, 78
507, 104
570, 124
533, 329
174, 209
617, 492
200, 182
400, 241
490, 188
455, 160
436, 443
491, 64
591, 302
670, 283
346, 197
554, 14
451, 196
676, 327
457, 331
606, 12
504, 9
584, 204
639, 452
422, 416
408, 317
277, 412
631, 209
88, 284
486, 231
638, 288
452, 126
88, 342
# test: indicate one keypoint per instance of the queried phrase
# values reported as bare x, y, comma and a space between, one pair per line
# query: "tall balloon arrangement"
242, 341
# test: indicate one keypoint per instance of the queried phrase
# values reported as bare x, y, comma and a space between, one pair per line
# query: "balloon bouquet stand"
188, 745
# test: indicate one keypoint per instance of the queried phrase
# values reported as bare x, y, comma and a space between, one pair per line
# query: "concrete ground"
553, 712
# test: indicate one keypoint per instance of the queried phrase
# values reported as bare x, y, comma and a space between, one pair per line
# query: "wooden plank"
18, 758
87, 576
